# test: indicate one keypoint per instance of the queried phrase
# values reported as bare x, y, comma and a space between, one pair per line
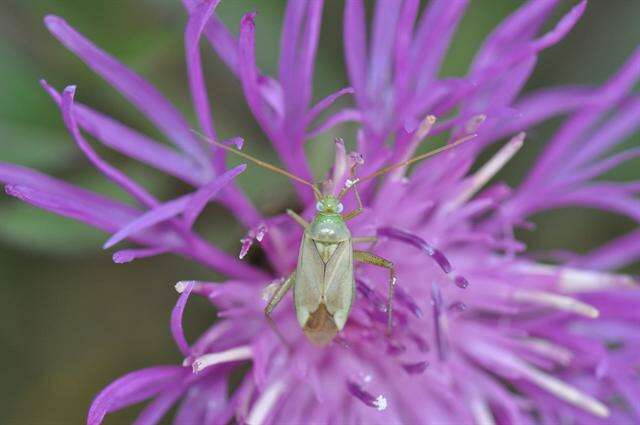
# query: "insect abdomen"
320, 327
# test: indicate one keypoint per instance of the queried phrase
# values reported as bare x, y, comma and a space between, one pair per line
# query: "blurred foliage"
70, 319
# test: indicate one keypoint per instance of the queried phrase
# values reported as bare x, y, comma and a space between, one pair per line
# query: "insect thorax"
328, 228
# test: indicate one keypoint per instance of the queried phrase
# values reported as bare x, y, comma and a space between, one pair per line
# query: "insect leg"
274, 301
359, 208
301, 221
370, 258
364, 239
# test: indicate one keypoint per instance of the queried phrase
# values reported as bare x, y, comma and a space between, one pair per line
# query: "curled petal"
176, 319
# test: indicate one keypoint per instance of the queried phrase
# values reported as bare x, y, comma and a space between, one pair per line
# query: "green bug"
323, 282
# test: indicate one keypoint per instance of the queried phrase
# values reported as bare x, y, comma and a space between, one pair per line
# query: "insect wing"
338, 283
309, 277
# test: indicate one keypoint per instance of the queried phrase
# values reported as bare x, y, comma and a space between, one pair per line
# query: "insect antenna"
260, 163
417, 158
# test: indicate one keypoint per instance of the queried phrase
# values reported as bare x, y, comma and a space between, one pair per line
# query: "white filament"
488, 170
560, 302
233, 354
264, 404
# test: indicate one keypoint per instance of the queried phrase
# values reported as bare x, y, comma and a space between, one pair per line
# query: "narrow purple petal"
99, 212
356, 390
617, 129
573, 131
128, 255
288, 61
605, 196
221, 39
155, 411
325, 103
308, 49
61, 198
437, 310
176, 319
433, 35
419, 243
384, 27
345, 115
134, 388
112, 173
205, 194
132, 143
206, 403
415, 368
139, 92
150, 218
614, 255
249, 73
355, 50
197, 21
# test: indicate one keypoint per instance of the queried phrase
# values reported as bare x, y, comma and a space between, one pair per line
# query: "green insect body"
323, 282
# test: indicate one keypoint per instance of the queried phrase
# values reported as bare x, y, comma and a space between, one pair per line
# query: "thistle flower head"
482, 331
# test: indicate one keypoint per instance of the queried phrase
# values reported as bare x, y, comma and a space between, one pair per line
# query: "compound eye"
319, 206
339, 208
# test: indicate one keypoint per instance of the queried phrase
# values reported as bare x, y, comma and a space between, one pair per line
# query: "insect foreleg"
370, 258
274, 301
301, 221
359, 208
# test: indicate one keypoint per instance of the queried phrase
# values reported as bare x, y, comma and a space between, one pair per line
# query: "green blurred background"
71, 320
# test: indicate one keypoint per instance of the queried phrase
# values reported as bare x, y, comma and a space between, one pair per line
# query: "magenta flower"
483, 331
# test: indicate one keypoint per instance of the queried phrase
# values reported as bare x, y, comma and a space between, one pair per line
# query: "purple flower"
482, 331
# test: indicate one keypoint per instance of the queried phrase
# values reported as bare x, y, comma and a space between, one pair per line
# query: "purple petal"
345, 115
112, 173
356, 390
155, 411
197, 21
221, 39
384, 27
298, 49
419, 243
355, 40
415, 368
149, 219
206, 403
134, 388
249, 72
325, 103
99, 212
128, 255
605, 196
433, 35
139, 92
205, 194
176, 319
131, 143
436, 300
616, 254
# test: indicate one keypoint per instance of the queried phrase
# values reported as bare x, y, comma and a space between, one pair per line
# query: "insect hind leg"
375, 260
275, 299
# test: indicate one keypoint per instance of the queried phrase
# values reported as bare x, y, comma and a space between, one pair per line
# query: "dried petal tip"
461, 282
238, 142
257, 233
182, 285
124, 256
379, 402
